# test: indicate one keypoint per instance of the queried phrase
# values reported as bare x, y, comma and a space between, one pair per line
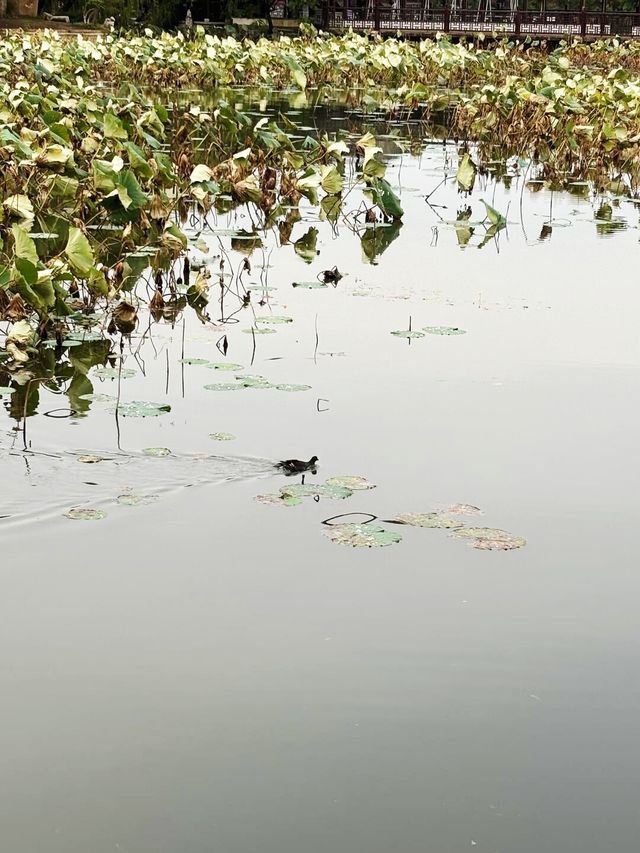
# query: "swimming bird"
297, 466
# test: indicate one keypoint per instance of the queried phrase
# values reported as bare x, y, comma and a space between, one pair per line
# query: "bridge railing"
423, 16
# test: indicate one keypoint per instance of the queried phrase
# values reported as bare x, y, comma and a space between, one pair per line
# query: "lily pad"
156, 451
408, 333
139, 409
261, 287
310, 285
113, 373
274, 320
250, 381
5, 390
225, 386
257, 331
85, 514
352, 482
222, 436
444, 330
224, 366
462, 509
321, 490
286, 387
279, 500
137, 500
427, 519
90, 459
490, 538
98, 398
362, 535
193, 361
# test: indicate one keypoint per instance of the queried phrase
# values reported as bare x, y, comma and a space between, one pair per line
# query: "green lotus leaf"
279, 500
137, 500
114, 373
140, 409
85, 514
288, 387
427, 519
310, 285
408, 333
225, 386
224, 366
367, 535
5, 390
444, 330
321, 490
222, 436
490, 538
274, 320
257, 331
352, 482
156, 451
193, 361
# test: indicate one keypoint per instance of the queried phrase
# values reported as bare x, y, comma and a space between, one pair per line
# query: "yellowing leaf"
79, 252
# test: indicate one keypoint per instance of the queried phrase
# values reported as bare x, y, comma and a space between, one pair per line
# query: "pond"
193, 669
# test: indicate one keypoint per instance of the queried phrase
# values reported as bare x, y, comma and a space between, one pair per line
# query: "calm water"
207, 673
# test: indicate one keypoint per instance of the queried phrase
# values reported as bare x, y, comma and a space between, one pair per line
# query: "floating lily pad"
5, 390
67, 343
310, 285
256, 331
286, 387
98, 398
352, 482
139, 409
279, 500
321, 490
427, 519
156, 451
362, 535
271, 321
261, 287
80, 514
462, 509
408, 333
83, 336
113, 373
225, 386
90, 459
137, 500
444, 330
250, 381
222, 436
193, 361
490, 538
224, 366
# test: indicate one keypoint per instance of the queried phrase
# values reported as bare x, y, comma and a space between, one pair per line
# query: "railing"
416, 16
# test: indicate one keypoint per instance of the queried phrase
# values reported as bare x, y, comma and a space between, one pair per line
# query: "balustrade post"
447, 17
376, 15
325, 15
583, 22
516, 22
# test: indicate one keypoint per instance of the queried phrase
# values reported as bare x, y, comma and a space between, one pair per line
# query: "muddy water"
209, 673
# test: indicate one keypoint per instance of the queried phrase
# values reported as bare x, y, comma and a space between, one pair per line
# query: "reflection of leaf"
466, 174
376, 240
362, 535
305, 247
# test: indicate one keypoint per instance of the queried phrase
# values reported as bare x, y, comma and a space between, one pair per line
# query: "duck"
297, 466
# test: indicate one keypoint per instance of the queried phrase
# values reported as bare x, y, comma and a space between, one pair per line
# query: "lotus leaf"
367, 535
